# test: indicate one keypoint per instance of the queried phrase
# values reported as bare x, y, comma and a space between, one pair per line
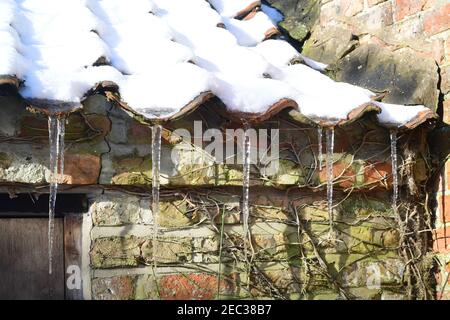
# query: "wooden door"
24, 259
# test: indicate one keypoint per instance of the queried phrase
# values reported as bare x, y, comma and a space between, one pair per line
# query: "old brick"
343, 172
376, 18
114, 252
378, 172
447, 175
438, 20
177, 214
114, 288
81, 169
192, 286
271, 247
168, 250
444, 208
116, 210
386, 271
441, 240
405, 8
349, 8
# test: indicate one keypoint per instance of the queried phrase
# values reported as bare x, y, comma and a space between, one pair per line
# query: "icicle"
394, 161
319, 143
246, 188
56, 132
330, 152
156, 166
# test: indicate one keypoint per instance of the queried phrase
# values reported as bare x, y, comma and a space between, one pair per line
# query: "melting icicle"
246, 189
330, 152
394, 161
319, 143
156, 166
56, 132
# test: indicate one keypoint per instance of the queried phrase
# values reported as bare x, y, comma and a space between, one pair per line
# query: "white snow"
320, 96
53, 44
397, 115
167, 90
250, 32
252, 95
230, 8
316, 65
277, 52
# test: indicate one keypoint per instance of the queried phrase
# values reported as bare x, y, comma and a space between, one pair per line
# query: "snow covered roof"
165, 57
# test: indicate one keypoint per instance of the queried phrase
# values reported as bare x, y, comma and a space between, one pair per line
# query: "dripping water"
246, 188
330, 153
56, 129
394, 161
319, 143
156, 166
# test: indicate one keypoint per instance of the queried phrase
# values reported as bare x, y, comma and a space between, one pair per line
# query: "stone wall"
364, 262
108, 156
397, 47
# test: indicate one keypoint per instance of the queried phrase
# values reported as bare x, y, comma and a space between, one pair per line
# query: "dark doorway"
24, 246
23, 259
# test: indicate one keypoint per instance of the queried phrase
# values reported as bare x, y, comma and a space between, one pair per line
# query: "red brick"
441, 240
377, 171
444, 208
81, 169
438, 20
378, 17
193, 286
342, 170
405, 8
447, 165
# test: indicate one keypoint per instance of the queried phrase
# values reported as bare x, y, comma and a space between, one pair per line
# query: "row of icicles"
56, 125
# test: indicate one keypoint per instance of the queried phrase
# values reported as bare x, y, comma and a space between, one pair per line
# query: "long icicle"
56, 131
156, 166
330, 153
319, 144
245, 201
394, 161
246, 188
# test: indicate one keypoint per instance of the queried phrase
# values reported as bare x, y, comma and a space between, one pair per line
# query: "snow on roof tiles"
165, 54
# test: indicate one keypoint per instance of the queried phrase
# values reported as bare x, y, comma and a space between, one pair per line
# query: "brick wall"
424, 27
441, 235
